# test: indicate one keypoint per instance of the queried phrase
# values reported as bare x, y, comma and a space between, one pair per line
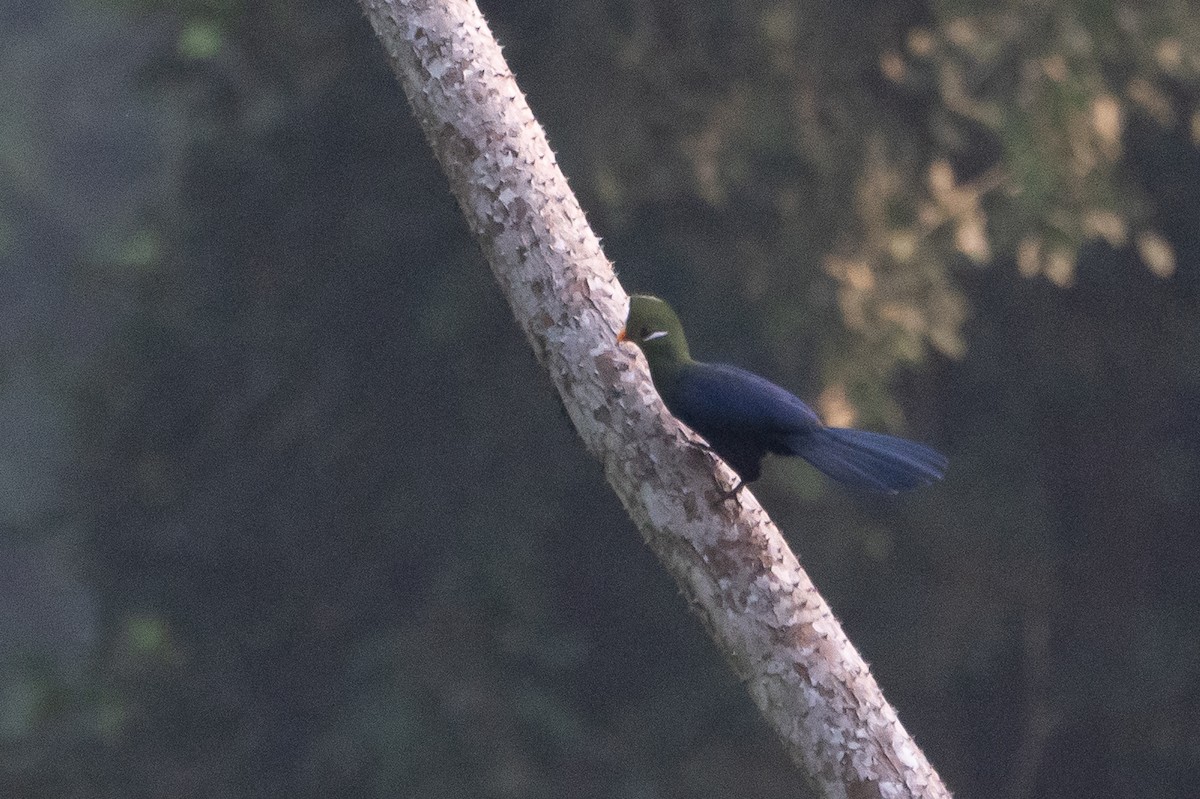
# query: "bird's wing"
713, 398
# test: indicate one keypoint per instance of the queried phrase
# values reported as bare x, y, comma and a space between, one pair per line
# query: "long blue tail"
871, 461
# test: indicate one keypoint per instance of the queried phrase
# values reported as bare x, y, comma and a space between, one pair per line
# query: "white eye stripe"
654, 335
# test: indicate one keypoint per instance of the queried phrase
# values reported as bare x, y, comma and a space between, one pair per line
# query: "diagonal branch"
729, 559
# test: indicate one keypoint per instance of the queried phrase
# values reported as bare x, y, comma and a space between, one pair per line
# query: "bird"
742, 416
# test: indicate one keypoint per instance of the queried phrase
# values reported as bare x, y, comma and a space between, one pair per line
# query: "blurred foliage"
927, 138
289, 509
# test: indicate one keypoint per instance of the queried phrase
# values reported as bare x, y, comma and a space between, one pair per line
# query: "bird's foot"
723, 494
734, 493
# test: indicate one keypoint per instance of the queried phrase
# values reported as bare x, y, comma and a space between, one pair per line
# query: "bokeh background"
288, 510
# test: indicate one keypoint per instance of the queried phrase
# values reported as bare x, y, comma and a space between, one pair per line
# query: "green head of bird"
653, 326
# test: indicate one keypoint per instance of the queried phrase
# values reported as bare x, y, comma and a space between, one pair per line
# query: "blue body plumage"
743, 416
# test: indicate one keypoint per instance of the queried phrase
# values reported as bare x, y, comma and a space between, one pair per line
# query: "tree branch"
729, 558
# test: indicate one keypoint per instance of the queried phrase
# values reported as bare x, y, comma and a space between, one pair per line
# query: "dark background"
288, 509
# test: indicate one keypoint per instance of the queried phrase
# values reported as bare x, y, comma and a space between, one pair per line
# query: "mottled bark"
729, 559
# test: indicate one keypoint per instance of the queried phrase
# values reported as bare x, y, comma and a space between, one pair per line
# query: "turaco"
743, 416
